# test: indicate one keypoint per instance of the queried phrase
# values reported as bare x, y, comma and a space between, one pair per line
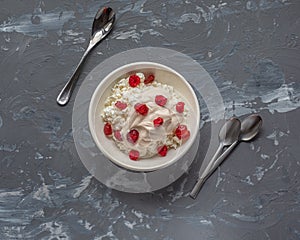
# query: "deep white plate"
164, 75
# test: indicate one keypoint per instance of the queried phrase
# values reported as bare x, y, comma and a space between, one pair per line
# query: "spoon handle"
65, 94
216, 164
197, 186
212, 161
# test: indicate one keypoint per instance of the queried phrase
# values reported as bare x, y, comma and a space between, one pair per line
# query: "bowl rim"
149, 65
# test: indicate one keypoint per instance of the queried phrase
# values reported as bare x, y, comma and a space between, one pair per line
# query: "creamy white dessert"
145, 117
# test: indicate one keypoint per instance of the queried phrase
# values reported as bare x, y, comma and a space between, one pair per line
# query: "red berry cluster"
134, 155
118, 135
121, 105
108, 131
158, 121
149, 79
160, 100
162, 150
180, 107
141, 108
182, 132
133, 136
134, 80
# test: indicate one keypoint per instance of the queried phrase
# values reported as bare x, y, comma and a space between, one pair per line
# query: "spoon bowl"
250, 127
230, 131
103, 17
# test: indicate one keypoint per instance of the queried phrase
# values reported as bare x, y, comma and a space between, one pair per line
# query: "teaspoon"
228, 134
249, 129
102, 25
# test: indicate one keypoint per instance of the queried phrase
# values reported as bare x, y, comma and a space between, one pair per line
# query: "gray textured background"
250, 48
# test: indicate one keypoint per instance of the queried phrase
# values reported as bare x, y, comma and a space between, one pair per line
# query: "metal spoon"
102, 25
249, 129
228, 134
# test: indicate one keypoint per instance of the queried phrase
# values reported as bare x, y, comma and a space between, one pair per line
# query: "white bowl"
163, 74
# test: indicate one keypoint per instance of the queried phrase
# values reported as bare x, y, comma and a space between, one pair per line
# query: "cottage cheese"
150, 137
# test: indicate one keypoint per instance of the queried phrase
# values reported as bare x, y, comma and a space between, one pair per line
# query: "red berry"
134, 80
134, 155
118, 135
160, 100
185, 135
107, 129
141, 108
120, 105
180, 107
149, 79
158, 121
182, 132
180, 128
162, 150
132, 136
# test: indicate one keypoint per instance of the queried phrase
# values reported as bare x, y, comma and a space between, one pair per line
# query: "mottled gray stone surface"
251, 50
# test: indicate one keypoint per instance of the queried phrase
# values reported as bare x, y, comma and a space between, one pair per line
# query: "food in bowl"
163, 75
145, 118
